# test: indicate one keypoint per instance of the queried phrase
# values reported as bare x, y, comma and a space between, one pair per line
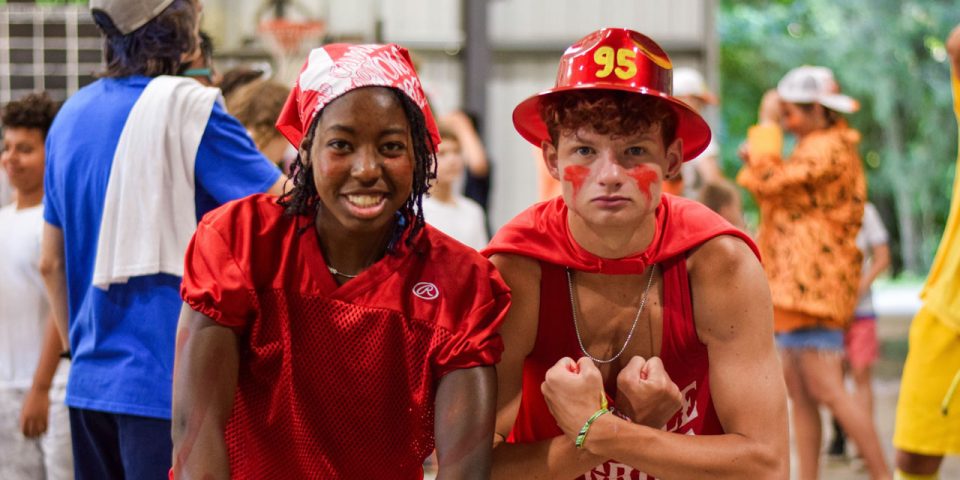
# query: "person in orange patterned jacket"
811, 206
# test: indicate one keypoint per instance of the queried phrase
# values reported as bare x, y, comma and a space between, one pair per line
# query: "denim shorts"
815, 338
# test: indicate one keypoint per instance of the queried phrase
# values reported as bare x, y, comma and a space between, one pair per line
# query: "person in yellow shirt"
811, 206
928, 412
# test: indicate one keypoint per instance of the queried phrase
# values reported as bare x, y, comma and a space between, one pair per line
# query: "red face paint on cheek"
576, 175
645, 179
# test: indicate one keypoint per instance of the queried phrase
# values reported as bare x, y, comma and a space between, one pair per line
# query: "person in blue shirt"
120, 336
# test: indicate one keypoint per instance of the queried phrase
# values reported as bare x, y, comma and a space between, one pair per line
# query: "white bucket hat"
689, 82
808, 84
129, 15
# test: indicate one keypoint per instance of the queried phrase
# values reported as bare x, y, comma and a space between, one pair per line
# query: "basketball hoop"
287, 36
289, 40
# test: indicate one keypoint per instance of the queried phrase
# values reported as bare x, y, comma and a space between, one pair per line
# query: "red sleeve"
474, 340
214, 284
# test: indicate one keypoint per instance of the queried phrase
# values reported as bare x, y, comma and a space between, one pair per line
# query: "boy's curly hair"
35, 110
607, 112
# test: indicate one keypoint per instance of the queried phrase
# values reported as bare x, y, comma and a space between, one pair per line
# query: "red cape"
541, 232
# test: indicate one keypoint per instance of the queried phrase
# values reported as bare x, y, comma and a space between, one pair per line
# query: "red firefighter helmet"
616, 59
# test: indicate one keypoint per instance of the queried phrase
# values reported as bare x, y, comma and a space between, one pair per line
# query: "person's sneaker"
838, 447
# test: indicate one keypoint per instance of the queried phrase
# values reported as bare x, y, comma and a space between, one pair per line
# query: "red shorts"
860, 342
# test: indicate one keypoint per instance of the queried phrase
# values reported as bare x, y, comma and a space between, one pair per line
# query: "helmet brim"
691, 127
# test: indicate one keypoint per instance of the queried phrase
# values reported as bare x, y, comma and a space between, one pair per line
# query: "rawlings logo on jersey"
426, 291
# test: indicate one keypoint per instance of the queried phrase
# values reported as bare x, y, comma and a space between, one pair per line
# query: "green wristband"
586, 426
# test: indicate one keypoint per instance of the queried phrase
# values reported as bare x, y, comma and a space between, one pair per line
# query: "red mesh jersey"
338, 382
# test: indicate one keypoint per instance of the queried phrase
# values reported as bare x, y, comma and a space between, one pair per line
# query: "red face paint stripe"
576, 175
644, 178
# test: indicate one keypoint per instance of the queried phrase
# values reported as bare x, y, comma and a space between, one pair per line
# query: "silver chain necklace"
334, 271
643, 302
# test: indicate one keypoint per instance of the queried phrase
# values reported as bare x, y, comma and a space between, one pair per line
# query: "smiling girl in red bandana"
332, 333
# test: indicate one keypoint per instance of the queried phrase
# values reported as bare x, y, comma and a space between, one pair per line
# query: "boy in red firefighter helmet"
630, 298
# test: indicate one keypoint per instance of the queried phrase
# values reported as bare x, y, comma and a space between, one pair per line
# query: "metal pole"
476, 60
279, 8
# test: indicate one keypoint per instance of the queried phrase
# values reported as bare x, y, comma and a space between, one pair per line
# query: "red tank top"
684, 357
542, 233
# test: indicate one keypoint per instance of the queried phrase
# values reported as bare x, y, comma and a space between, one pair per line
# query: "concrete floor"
886, 391
892, 331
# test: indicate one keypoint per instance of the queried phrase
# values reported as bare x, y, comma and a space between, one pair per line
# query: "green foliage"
888, 54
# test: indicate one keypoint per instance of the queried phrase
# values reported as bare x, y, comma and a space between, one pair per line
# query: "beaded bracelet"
582, 435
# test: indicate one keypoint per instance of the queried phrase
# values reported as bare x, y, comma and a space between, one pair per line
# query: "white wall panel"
442, 79
435, 22
439, 21
230, 22
353, 18
540, 21
687, 17
514, 172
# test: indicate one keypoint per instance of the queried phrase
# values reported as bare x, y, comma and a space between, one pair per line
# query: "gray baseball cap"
129, 15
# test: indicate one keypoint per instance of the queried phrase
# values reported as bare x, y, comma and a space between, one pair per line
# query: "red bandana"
338, 68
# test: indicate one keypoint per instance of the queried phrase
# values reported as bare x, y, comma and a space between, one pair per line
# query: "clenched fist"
573, 390
646, 394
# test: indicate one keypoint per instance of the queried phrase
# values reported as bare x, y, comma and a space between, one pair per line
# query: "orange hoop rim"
288, 35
